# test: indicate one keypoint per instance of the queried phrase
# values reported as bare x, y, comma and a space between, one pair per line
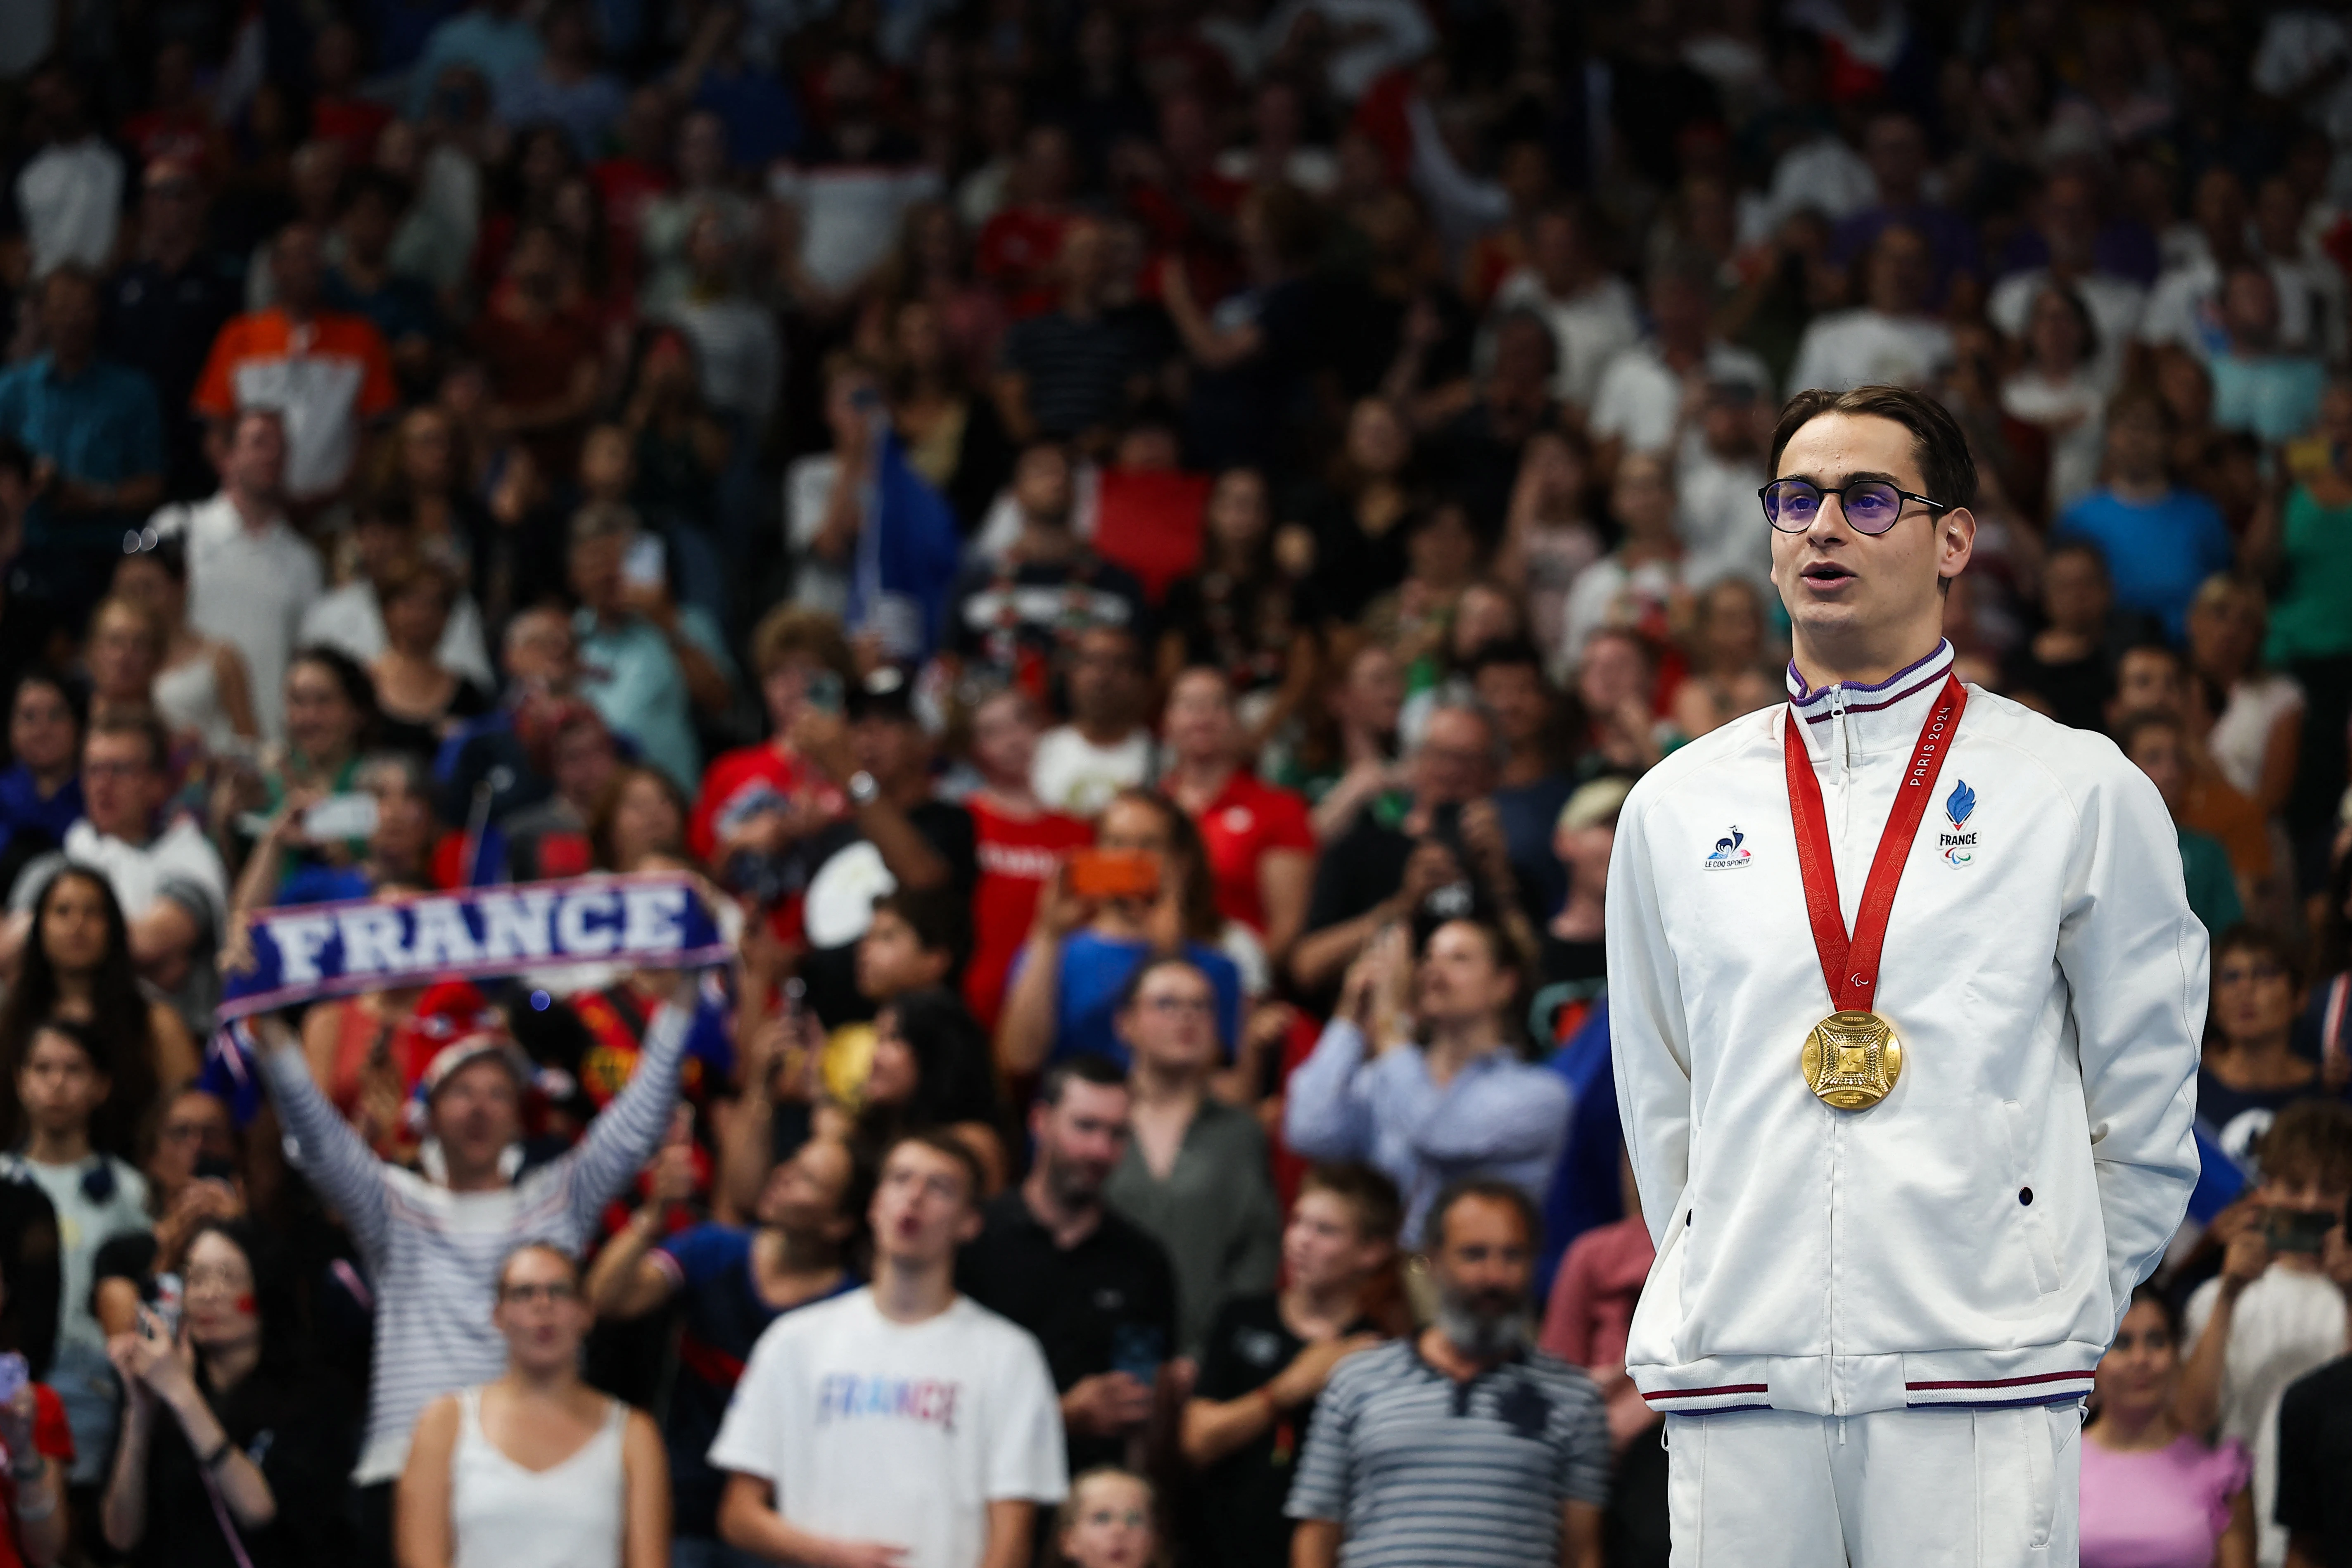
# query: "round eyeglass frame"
1764, 499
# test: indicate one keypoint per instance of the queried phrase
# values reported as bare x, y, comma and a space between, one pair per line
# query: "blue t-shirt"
2156, 555
23, 807
724, 1316
1094, 972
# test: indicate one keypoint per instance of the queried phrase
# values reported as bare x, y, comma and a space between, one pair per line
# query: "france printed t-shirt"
898, 1433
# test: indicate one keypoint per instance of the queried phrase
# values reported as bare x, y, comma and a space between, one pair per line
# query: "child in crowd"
1108, 1521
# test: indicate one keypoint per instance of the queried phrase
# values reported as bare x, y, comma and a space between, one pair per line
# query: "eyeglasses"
1204, 1005
2248, 975
1871, 506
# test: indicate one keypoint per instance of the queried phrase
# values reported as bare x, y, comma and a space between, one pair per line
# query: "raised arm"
334, 1158
625, 1133
1324, 1115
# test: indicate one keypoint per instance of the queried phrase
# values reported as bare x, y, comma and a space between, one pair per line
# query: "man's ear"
1956, 541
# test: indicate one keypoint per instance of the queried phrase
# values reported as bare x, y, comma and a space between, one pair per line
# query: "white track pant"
1896, 1489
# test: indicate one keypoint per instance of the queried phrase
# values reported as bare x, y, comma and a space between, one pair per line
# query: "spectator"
491, 39
1242, 614
419, 699
1587, 1317
2066, 214
562, 87
2186, 308
657, 664
41, 793
1070, 369
1520, 1457
96, 436
665, 217
1011, 616
1082, 950
1017, 843
2056, 391
1590, 312
1727, 675
2302, 540
2257, 728
1640, 585
2259, 385
756, 800
397, 852
1260, 844
1381, 871
955, 436
1462, 1104
164, 871
535, 1468
330, 717
930, 1072
1506, 678
251, 576
61, 1073
2311, 1449
540, 352
488, 766
850, 188
639, 818
1645, 398
1355, 516
2159, 745
1889, 338
1250, 360
732, 1281
570, 747
232, 1449
2150, 1489
74, 960
1097, 1291
826, 1457
363, 282
436, 1245
1194, 1173
1895, 147
1015, 249
1269, 1357
124, 647
327, 374
2152, 677
390, 551
733, 337
1108, 1520
2272, 1315
2159, 541
2067, 670
68, 192
1583, 836
34, 1430
1105, 747
1548, 540
2250, 1070
192, 1128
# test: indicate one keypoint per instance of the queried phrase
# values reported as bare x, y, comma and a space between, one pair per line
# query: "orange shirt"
326, 376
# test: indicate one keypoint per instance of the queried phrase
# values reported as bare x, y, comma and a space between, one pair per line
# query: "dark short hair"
940, 918
2310, 1140
1091, 1067
146, 726
1507, 653
1946, 467
2247, 936
1133, 988
2132, 726
1380, 1211
1494, 1189
70, 690
84, 1037
940, 1140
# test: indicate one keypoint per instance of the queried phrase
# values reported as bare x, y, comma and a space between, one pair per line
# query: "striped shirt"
1425, 1472
432, 1255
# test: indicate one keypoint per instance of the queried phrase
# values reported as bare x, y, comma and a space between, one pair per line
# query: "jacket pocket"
2032, 1225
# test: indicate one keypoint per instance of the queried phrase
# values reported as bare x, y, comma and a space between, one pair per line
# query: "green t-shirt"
2313, 619
2212, 889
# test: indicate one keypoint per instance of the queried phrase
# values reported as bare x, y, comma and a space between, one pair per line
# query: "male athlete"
1905, 999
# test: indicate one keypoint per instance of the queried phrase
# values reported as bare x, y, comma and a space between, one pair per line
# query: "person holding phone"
231, 1455
38, 1444
2277, 1309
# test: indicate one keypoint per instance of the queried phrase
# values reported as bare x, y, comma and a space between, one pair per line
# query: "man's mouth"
1825, 572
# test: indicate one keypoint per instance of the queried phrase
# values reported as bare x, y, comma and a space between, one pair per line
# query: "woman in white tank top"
537, 1469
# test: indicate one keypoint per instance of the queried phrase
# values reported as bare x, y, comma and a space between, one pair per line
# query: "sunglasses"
1871, 506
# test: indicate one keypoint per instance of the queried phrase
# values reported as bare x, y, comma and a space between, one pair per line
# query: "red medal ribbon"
1850, 963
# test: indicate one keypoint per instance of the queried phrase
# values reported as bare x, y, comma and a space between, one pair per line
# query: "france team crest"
1958, 848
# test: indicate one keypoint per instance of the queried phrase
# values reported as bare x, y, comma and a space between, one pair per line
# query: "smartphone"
14, 1374
2298, 1230
1445, 821
1113, 874
213, 1168
642, 567
340, 817
825, 691
1136, 1351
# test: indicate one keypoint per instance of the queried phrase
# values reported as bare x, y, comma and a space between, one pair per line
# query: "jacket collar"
1884, 716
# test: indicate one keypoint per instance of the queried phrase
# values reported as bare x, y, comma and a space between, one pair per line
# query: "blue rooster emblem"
1728, 848
1960, 803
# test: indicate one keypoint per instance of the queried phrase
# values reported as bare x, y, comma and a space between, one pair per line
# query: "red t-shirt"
53, 1438
1016, 252
1247, 818
746, 780
1016, 858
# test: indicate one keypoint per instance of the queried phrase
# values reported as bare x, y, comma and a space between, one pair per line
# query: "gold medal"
1852, 1059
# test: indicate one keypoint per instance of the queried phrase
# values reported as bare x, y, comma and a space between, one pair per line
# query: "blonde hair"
1065, 1512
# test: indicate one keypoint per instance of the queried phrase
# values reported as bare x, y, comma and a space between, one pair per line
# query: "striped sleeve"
333, 1158
1325, 1464
1584, 1449
626, 1133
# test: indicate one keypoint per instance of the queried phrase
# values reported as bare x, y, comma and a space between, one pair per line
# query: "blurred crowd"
1133, 550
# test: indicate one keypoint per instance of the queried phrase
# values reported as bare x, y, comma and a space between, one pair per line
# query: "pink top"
1592, 1297
2163, 1509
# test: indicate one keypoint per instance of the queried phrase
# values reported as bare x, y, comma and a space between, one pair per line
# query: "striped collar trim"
1813, 702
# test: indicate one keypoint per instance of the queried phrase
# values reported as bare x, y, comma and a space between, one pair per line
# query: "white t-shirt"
2184, 309
1866, 348
2241, 735
2114, 303
2074, 451
1586, 329
1720, 522
1072, 774
248, 587
352, 619
1639, 400
904, 1433
2286, 1323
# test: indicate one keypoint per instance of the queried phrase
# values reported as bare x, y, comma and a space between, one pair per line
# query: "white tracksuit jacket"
1974, 1238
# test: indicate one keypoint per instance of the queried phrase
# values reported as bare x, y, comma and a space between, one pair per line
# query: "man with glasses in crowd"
1893, 1251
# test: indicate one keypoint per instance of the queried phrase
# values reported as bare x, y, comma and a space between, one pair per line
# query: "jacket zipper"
1837, 1122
